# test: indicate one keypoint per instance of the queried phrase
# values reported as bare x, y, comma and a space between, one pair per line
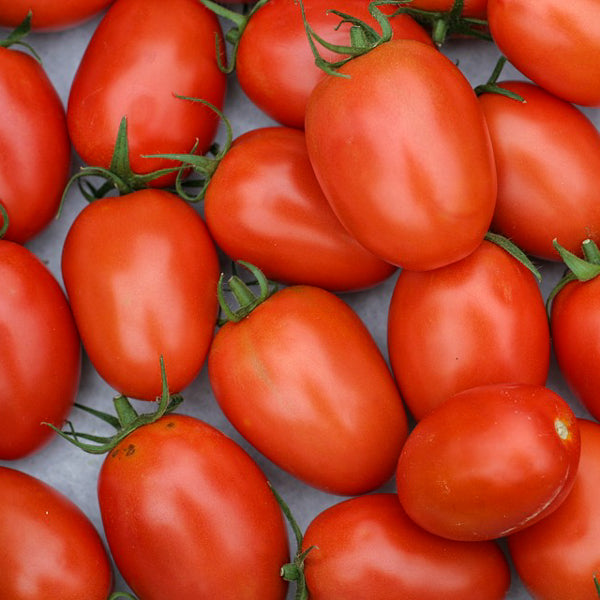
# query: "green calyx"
491, 86
516, 252
15, 38
120, 595
3, 220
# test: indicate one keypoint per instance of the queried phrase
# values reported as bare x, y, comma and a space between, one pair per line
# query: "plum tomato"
50, 15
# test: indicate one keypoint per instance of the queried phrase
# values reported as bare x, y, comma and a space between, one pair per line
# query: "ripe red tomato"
50, 14
48, 547
40, 350
471, 8
141, 273
367, 547
189, 515
135, 72
554, 43
403, 155
477, 321
264, 205
489, 461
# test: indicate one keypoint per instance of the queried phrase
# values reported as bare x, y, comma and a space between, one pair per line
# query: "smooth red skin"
35, 151
275, 64
136, 73
141, 273
558, 557
189, 515
40, 349
303, 381
478, 321
264, 205
48, 547
407, 166
50, 15
547, 159
560, 53
367, 548
472, 8
488, 462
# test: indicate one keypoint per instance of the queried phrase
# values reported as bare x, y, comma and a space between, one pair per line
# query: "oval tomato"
48, 547
206, 524
489, 461
141, 273
40, 349
50, 14
403, 155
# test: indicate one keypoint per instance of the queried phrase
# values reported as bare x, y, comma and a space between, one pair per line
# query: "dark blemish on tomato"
170, 424
130, 450
114, 453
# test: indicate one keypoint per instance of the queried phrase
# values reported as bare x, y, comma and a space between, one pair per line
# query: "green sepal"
4, 220
15, 38
119, 595
597, 584
491, 86
516, 252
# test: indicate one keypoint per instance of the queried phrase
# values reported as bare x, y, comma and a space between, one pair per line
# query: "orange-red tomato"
50, 14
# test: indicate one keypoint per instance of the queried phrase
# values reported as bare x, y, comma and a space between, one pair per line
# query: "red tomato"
303, 381
554, 43
141, 273
558, 557
50, 14
48, 547
367, 547
135, 72
480, 320
264, 205
489, 461
189, 515
471, 8
40, 349
403, 155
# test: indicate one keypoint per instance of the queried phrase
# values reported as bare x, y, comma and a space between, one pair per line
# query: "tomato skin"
285, 374
367, 547
554, 43
383, 174
189, 515
558, 557
151, 291
171, 51
50, 15
264, 205
489, 461
33, 139
48, 547
40, 349
472, 8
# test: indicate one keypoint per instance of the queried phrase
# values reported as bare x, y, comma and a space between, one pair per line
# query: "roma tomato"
50, 14
264, 205
554, 43
489, 461
477, 321
48, 547
40, 350
141, 273
403, 155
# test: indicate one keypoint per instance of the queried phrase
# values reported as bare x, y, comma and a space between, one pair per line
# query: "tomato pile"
304, 326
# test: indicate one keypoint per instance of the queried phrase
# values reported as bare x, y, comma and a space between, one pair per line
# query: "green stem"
491, 86
15, 38
118, 595
516, 252
5, 220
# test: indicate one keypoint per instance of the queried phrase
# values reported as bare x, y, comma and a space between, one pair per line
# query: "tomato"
554, 43
402, 153
477, 321
367, 547
489, 461
40, 349
558, 557
471, 8
141, 273
137, 73
48, 547
50, 14
303, 381
264, 205
189, 515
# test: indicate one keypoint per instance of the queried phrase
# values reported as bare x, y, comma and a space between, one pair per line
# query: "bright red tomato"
50, 14
480, 320
489, 461
403, 155
40, 350
554, 43
264, 205
189, 515
367, 547
135, 72
49, 548
141, 273
558, 557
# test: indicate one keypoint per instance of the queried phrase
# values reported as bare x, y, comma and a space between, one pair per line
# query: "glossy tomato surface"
189, 515
50, 14
141, 273
489, 461
303, 381
40, 350
48, 547
403, 155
